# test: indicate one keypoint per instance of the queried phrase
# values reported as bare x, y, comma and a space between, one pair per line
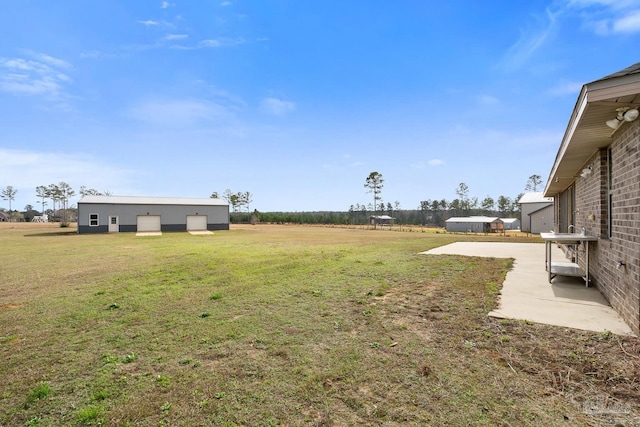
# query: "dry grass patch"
286, 326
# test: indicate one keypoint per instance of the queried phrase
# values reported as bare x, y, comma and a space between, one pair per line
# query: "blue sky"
297, 101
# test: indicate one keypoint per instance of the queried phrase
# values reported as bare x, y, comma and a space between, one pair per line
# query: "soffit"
587, 131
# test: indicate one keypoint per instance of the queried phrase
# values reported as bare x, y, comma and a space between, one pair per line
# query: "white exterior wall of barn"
511, 223
532, 218
474, 224
540, 221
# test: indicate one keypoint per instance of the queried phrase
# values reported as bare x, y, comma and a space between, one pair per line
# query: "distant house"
4, 217
536, 213
595, 183
381, 220
474, 224
112, 214
511, 223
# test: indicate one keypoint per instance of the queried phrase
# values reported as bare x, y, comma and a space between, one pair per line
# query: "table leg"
586, 262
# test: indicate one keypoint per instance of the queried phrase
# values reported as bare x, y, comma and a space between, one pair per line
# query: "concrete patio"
527, 294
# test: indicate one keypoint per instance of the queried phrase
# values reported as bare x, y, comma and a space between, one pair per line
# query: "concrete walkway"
148, 233
527, 294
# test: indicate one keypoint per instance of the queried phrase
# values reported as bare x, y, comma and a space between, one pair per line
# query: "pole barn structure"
474, 224
112, 214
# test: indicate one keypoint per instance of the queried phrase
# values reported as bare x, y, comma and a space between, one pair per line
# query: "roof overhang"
587, 131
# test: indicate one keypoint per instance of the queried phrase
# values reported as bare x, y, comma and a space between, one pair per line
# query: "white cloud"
225, 3
489, 100
22, 84
149, 23
165, 5
530, 41
210, 43
96, 54
630, 23
176, 36
50, 60
566, 88
432, 163
39, 76
24, 65
222, 96
608, 17
277, 107
177, 112
203, 44
613, 4
222, 42
25, 170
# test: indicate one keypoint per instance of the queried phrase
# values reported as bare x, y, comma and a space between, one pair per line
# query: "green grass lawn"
265, 326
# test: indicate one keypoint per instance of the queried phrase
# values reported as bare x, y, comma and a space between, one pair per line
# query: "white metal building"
536, 213
511, 223
474, 224
102, 214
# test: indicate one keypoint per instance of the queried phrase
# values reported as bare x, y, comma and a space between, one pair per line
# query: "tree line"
56, 196
429, 212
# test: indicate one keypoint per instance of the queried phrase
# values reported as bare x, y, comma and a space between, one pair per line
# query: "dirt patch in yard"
597, 373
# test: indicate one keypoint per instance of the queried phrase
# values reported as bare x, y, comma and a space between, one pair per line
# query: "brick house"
595, 183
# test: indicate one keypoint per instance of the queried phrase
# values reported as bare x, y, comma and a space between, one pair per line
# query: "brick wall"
620, 285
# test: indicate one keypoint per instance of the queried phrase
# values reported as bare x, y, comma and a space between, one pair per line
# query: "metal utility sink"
564, 238
567, 268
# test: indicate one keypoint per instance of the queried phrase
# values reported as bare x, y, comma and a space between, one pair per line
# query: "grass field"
286, 325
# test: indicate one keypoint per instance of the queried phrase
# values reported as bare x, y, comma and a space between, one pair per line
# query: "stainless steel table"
567, 268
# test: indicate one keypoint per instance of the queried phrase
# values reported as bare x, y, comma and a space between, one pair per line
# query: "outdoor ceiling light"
626, 114
558, 178
613, 123
631, 115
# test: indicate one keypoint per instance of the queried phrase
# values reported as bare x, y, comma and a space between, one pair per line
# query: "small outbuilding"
381, 220
536, 212
474, 224
112, 214
511, 223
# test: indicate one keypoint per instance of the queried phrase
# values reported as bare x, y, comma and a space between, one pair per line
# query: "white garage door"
196, 222
148, 223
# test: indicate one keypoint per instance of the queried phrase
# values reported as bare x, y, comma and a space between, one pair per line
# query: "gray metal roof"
535, 197
481, 219
135, 200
